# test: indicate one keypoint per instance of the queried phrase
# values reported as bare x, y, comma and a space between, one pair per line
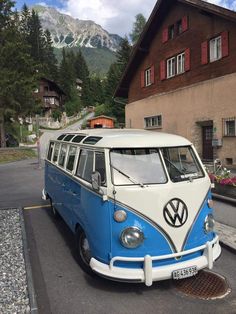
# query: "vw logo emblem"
175, 213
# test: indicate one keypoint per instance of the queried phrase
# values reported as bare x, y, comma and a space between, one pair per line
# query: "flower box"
224, 190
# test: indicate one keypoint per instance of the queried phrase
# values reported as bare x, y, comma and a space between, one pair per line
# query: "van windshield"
137, 166
181, 163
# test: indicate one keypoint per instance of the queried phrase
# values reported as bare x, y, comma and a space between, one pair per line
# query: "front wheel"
83, 252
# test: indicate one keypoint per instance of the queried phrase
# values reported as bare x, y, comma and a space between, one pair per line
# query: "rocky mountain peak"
67, 31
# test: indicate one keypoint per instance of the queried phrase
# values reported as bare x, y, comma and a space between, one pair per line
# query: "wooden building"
181, 76
51, 95
101, 122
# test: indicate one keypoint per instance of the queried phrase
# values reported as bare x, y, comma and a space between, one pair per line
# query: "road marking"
36, 207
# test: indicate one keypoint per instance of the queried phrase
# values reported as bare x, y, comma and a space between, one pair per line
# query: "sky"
115, 16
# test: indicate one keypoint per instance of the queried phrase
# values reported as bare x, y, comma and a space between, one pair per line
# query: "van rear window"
92, 140
68, 137
61, 137
78, 138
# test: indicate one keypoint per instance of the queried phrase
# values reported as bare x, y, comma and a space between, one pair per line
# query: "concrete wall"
181, 110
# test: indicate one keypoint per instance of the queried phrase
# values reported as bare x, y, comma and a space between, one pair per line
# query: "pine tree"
82, 73
117, 109
17, 70
138, 27
50, 61
66, 74
36, 40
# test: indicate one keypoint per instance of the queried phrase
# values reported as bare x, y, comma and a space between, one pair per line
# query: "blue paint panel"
83, 206
77, 204
197, 236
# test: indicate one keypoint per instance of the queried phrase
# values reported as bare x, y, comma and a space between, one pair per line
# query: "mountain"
69, 32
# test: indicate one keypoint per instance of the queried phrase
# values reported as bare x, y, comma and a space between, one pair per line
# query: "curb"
224, 198
227, 236
30, 282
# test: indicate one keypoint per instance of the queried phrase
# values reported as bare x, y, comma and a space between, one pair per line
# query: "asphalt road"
60, 284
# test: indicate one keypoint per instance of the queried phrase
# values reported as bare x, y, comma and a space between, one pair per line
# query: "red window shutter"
142, 79
165, 35
187, 60
163, 70
184, 23
225, 44
204, 49
152, 74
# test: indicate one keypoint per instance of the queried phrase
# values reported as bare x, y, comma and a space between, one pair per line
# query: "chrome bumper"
211, 251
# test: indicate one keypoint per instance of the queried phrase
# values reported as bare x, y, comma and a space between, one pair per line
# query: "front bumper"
211, 251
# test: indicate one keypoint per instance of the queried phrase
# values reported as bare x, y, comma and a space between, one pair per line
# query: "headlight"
131, 237
209, 223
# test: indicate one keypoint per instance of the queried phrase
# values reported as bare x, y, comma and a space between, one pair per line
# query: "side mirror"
96, 181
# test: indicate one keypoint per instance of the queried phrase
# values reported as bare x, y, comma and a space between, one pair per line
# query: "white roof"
124, 138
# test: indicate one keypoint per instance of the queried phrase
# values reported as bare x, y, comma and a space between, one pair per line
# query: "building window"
215, 49
148, 77
229, 126
153, 122
179, 27
171, 31
180, 63
170, 67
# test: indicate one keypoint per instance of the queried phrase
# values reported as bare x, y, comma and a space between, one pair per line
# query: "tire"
83, 254
54, 211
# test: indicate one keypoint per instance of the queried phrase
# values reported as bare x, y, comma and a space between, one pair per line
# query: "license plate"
184, 272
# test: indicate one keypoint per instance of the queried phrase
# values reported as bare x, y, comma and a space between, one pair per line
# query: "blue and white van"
138, 202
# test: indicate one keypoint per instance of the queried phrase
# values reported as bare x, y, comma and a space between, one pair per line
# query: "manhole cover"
206, 285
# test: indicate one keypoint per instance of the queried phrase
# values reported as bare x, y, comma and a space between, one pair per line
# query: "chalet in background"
181, 77
101, 122
51, 95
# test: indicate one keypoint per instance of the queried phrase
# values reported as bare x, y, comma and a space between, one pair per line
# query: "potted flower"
224, 183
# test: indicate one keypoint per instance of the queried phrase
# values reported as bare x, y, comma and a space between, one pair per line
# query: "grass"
12, 154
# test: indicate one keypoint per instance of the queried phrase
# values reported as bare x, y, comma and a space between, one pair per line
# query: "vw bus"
138, 202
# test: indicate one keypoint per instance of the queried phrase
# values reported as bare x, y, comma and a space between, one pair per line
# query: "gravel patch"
14, 297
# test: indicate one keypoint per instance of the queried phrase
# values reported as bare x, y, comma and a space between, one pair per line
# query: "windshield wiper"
173, 165
131, 179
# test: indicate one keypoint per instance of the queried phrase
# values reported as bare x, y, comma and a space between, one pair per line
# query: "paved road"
60, 284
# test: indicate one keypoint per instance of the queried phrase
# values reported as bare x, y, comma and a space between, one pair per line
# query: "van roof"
124, 138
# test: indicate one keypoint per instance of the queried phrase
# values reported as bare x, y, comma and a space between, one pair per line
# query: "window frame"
170, 65
147, 77
153, 125
226, 128
68, 156
94, 152
181, 57
215, 49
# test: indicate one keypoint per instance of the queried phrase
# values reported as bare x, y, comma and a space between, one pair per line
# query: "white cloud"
118, 16
114, 16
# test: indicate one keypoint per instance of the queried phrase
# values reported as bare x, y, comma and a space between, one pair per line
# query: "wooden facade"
50, 95
101, 122
181, 74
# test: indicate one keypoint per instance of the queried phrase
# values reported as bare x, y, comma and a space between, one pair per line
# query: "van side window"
85, 166
71, 158
50, 150
62, 156
56, 150
100, 166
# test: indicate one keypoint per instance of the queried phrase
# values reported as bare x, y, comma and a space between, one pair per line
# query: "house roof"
54, 85
154, 22
101, 117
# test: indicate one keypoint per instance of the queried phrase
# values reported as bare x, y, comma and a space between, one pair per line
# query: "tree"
17, 70
117, 109
138, 26
66, 74
50, 61
82, 73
